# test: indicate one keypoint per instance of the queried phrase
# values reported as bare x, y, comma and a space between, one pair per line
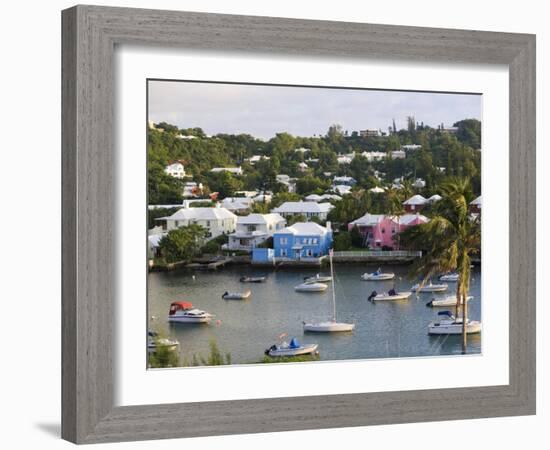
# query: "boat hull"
311, 287
446, 302
472, 327
328, 327
379, 277
304, 350
184, 319
386, 298
430, 289
236, 295
318, 280
452, 278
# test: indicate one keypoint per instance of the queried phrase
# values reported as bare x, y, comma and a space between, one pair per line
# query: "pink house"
379, 230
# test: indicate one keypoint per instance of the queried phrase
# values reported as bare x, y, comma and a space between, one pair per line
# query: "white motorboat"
447, 301
155, 342
294, 348
430, 287
329, 326
449, 277
311, 287
236, 295
391, 295
183, 312
318, 279
448, 324
378, 276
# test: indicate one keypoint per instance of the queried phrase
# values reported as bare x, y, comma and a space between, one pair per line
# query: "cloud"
263, 111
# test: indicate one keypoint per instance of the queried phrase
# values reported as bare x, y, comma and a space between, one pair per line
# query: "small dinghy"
391, 295
236, 295
154, 342
294, 348
318, 279
447, 301
378, 276
311, 287
252, 279
430, 287
448, 324
449, 277
183, 312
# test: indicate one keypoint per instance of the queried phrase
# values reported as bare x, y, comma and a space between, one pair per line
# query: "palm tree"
395, 208
448, 241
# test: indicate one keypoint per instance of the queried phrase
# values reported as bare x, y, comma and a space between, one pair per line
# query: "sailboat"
329, 326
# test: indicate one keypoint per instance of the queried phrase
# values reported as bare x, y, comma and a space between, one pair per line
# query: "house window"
383, 230
309, 252
283, 241
207, 223
314, 240
283, 252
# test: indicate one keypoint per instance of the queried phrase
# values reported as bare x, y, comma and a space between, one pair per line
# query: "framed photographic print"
264, 228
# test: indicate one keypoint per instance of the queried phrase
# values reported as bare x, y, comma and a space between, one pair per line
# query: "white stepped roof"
303, 207
259, 219
201, 214
368, 219
476, 202
304, 228
415, 200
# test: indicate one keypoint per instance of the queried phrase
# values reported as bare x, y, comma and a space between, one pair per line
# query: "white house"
175, 169
217, 221
415, 203
186, 137
434, 198
302, 150
369, 133
306, 209
313, 198
350, 181
419, 183
237, 204
330, 197
374, 156
303, 167
255, 158
287, 181
398, 154
377, 190
233, 170
342, 189
411, 147
266, 197
253, 230
345, 159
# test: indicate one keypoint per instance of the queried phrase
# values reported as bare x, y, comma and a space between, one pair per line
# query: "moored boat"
294, 348
311, 287
245, 279
236, 295
391, 295
447, 301
430, 287
449, 277
378, 276
183, 312
318, 279
155, 342
448, 324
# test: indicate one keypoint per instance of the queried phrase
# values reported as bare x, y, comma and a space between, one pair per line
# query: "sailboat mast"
333, 282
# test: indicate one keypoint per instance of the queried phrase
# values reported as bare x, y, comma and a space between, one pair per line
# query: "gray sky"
263, 111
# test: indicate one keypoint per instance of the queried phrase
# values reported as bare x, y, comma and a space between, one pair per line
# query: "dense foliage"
182, 244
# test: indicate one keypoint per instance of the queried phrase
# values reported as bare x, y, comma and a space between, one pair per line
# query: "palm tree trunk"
464, 327
458, 295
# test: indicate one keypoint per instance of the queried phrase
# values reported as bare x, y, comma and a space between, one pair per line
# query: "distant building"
377, 190
342, 189
475, 206
345, 159
349, 181
313, 198
434, 198
302, 150
254, 159
303, 167
369, 133
185, 137
415, 203
287, 181
419, 183
175, 169
216, 221
233, 170
411, 147
374, 156
398, 154
253, 230
302, 240
237, 205
307, 209
449, 130
378, 230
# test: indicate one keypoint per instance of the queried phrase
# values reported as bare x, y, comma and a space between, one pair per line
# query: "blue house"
302, 240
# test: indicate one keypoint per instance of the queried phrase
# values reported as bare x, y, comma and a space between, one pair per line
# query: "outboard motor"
372, 295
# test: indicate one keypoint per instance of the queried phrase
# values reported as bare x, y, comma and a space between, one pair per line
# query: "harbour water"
246, 328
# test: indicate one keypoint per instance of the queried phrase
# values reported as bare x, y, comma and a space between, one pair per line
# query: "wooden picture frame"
90, 34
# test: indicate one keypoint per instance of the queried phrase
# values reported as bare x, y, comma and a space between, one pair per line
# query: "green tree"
448, 241
182, 244
342, 241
